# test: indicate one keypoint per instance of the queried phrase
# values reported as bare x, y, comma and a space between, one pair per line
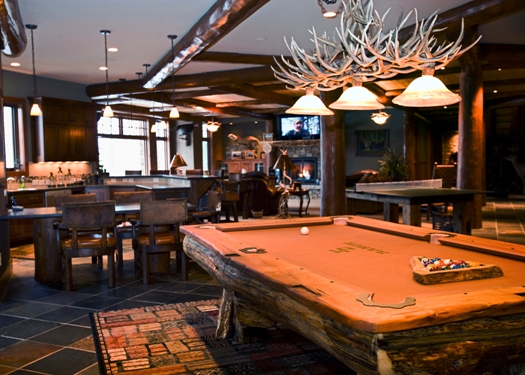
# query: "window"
205, 149
123, 145
163, 153
14, 134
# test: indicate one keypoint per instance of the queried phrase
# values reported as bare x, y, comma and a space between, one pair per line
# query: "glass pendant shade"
35, 110
212, 126
426, 91
161, 125
108, 112
357, 98
174, 113
380, 118
309, 104
154, 128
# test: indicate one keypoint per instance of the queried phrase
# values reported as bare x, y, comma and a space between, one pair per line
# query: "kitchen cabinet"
250, 165
66, 131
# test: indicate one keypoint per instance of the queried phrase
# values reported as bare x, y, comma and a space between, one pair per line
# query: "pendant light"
309, 104
380, 118
35, 109
174, 113
213, 126
426, 91
108, 112
357, 98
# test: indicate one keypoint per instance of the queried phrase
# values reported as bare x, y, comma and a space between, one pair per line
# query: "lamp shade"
213, 126
357, 98
35, 110
426, 91
380, 118
309, 104
284, 163
108, 112
174, 113
177, 161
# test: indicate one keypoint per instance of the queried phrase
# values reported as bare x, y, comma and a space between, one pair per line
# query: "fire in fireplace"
305, 169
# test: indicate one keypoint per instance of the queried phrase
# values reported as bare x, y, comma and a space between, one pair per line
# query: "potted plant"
392, 167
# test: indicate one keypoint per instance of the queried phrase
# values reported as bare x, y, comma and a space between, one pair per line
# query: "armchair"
264, 194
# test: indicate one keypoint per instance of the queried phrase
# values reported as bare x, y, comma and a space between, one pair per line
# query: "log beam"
14, 39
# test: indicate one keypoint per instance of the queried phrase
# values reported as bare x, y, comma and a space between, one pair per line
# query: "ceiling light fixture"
108, 112
426, 91
35, 109
358, 98
213, 126
332, 10
309, 104
363, 48
174, 113
380, 118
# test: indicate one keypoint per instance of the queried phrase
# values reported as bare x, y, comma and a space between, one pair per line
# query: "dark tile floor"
44, 330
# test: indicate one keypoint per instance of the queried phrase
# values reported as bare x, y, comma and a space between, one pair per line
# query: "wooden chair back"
82, 216
447, 172
159, 171
163, 212
137, 172
132, 196
61, 200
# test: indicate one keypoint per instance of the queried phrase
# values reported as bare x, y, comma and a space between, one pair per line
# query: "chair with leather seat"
87, 230
264, 195
124, 230
162, 220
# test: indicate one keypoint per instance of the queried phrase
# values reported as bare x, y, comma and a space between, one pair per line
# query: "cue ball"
304, 230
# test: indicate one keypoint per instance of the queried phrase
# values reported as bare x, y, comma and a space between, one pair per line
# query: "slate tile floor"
44, 330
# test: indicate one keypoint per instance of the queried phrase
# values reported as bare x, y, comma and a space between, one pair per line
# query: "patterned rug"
180, 339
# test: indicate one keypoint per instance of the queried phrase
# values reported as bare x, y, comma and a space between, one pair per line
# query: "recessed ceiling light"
495, 91
112, 49
103, 68
15, 64
499, 69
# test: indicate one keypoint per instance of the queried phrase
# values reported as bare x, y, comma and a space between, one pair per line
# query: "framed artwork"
267, 137
249, 154
371, 142
236, 155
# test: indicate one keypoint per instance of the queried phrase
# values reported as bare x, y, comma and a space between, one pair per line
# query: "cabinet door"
51, 142
234, 167
91, 139
71, 143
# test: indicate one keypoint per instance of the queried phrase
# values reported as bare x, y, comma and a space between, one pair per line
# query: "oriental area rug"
180, 339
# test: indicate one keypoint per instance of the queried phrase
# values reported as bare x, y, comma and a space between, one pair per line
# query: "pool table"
348, 286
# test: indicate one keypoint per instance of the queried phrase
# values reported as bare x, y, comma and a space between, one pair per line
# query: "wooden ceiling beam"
13, 35
236, 58
257, 93
210, 79
476, 12
222, 17
233, 111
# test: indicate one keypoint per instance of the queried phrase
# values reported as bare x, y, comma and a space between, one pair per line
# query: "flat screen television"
286, 129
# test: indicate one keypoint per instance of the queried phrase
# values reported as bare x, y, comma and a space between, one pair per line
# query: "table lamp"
177, 162
284, 163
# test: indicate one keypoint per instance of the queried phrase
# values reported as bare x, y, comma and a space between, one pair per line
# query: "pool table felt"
337, 263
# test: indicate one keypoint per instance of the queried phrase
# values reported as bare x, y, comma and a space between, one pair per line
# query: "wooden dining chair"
124, 230
87, 230
210, 213
61, 200
158, 240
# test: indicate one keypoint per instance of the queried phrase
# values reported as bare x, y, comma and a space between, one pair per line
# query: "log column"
409, 151
471, 153
333, 170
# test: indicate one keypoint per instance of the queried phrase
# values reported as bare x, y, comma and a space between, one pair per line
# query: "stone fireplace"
305, 170
304, 153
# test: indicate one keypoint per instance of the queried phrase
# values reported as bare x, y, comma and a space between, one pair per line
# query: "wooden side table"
301, 193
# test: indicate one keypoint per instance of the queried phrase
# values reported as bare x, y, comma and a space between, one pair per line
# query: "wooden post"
409, 151
471, 154
333, 171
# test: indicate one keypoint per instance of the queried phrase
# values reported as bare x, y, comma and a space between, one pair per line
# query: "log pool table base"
470, 346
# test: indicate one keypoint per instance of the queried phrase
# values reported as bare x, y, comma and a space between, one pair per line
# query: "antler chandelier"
364, 51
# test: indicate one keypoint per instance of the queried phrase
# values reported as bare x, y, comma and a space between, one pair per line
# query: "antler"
364, 50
